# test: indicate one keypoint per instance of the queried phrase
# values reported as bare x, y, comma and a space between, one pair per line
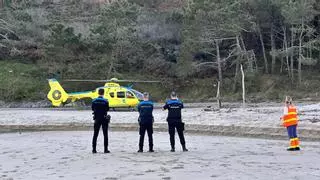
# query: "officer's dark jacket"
145, 109
100, 107
174, 107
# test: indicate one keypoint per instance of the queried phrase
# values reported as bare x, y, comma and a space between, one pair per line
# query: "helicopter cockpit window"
111, 94
130, 95
120, 94
138, 94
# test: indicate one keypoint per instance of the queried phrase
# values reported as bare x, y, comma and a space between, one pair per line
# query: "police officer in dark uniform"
145, 120
100, 108
174, 106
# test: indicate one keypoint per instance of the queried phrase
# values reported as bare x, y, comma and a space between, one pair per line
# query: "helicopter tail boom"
57, 95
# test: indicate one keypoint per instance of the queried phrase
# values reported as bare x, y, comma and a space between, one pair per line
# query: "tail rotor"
57, 95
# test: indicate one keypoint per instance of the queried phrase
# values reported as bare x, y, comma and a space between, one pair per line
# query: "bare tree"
5, 30
297, 15
266, 66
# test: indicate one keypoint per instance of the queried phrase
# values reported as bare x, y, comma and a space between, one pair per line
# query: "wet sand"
67, 155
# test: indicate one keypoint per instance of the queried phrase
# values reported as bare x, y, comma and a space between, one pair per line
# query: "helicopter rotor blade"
137, 81
111, 80
84, 80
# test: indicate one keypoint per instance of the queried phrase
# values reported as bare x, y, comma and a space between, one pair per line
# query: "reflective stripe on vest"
291, 118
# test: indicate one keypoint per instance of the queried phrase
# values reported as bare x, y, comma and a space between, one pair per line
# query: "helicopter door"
131, 99
121, 98
112, 99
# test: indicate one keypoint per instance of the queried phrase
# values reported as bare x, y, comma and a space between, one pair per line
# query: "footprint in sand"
224, 165
139, 174
14, 171
150, 170
166, 178
178, 167
110, 178
164, 169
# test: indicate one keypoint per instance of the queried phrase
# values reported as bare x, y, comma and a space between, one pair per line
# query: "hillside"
188, 45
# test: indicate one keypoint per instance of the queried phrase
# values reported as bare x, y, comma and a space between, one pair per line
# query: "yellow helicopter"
118, 96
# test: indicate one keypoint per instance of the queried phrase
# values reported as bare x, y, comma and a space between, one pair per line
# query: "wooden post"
218, 95
243, 88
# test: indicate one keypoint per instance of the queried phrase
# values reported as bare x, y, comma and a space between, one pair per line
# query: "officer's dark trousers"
97, 125
176, 125
142, 131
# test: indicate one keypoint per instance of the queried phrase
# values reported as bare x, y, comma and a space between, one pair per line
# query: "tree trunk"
235, 80
273, 48
243, 89
219, 61
263, 51
237, 65
300, 53
255, 60
281, 59
250, 63
285, 43
291, 57
218, 95
287, 57
299, 61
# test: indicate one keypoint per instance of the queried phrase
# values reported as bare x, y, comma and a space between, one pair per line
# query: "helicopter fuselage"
118, 96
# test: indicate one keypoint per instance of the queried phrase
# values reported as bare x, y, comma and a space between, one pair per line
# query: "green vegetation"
21, 82
188, 44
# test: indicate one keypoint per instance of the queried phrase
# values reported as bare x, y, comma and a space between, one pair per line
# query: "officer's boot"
94, 150
151, 149
140, 149
172, 149
106, 150
184, 148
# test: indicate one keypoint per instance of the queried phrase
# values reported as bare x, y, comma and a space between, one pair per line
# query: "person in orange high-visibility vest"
290, 121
